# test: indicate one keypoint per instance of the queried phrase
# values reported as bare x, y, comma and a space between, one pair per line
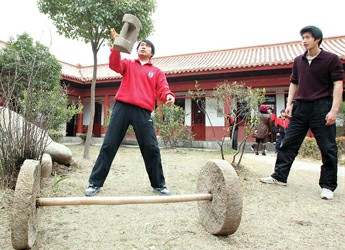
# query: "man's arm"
292, 92
115, 56
164, 93
337, 99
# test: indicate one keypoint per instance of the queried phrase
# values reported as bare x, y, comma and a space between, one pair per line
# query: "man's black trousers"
123, 115
311, 115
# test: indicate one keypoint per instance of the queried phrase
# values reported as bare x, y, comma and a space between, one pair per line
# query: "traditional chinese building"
265, 66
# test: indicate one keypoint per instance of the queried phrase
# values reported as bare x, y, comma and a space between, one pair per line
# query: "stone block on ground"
59, 153
46, 166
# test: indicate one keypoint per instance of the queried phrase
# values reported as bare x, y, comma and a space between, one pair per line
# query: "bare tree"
225, 98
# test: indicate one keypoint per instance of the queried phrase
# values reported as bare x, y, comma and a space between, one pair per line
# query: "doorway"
198, 120
97, 122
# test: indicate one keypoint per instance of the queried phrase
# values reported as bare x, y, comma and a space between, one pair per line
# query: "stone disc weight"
221, 215
24, 215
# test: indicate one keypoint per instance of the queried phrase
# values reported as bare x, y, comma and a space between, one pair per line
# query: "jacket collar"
138, 60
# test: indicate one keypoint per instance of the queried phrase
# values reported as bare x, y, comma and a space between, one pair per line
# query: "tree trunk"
86, 154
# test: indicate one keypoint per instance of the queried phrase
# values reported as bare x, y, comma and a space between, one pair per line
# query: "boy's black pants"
123, 115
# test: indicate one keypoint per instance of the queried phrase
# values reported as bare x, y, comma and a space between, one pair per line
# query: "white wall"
212, 113
86, 113
188, 112
280, 103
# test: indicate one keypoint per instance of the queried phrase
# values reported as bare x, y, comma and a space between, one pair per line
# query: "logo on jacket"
151, 73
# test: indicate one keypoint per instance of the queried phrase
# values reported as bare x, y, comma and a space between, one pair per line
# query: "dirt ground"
274, 217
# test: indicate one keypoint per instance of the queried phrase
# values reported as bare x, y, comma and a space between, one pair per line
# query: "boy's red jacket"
273, 117
140, 84
281, 123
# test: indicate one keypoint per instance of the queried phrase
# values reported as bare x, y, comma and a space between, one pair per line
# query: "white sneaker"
162, 191
271, 180
92, 190
327, 194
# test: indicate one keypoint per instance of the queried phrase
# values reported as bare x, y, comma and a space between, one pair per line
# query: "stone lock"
128, 35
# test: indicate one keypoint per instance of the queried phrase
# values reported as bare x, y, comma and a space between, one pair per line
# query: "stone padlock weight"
128, 35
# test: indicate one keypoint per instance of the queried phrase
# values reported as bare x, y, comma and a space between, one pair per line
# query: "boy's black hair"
314, 31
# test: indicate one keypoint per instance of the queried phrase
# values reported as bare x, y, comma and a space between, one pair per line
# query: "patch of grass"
57, 181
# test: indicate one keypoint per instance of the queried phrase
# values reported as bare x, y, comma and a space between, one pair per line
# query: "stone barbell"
218, 195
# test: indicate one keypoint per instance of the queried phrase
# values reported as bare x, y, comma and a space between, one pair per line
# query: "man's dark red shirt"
315, 80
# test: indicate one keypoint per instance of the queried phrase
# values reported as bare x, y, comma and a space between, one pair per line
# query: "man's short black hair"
314, 31
149, 43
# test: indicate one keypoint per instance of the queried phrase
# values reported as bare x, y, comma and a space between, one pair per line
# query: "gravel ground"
274, 217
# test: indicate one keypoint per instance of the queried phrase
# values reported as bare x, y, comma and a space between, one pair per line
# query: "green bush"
169, 122
83, 137
30, 87
309, 149
341, 118
56, 135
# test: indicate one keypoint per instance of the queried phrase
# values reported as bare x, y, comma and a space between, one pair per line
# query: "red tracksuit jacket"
141, 84
281, 124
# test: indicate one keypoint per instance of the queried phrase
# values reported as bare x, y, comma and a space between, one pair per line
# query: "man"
314, 97
135, 100
281, 124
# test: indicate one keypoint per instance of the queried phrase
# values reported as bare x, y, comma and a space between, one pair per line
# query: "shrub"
32, 102
309, 149
169, 122
83, 137
56, 135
